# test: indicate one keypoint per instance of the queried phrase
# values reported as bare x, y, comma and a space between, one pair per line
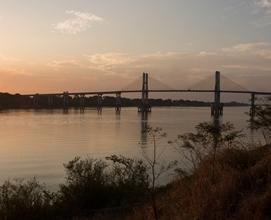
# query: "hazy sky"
78, 45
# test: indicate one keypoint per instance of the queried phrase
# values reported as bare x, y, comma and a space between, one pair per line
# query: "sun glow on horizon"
52, 47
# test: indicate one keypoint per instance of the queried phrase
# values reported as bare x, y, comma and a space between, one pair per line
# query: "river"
38, 142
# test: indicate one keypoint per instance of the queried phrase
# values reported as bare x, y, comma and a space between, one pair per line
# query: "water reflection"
82, 110
118, 115
65, 111
118, 122
45, 139
144, 126
100, 111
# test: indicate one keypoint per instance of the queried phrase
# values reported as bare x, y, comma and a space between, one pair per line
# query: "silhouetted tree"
22, 199
156, 167
96, 184
195, 146
262, 122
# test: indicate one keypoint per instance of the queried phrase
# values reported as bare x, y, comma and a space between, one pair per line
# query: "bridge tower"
144, 105
217, 107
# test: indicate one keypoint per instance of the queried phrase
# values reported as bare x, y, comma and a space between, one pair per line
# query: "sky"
86, 45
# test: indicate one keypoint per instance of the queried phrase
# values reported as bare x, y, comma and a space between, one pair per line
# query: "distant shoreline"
8, 101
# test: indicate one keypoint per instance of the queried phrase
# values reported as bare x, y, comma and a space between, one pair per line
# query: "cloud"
107, 61
78, 22
245, 47
60, 64
261, 49
206, 53
246, 63
261, 11
8, 59
265, 4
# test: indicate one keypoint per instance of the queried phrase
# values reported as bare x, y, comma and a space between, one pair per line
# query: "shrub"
206, 141
26, 200
93, 184
262, 122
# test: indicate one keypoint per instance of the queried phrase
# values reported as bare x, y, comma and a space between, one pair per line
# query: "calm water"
37, 143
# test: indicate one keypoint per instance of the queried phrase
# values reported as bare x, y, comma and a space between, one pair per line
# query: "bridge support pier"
252, 107
144, 105
65, 100
217, 106
100, 103
50, 101
76, 101
82, 101
118, 102
36, 101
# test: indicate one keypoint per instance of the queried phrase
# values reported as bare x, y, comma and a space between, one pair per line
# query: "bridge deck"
152, 91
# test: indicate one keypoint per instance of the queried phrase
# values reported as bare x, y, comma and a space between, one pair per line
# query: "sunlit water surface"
37, 143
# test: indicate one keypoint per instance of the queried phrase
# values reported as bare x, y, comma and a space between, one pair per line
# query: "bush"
25, 200
93, 184
262, 122
206, 141
241, 190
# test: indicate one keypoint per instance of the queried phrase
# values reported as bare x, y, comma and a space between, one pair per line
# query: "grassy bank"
240, 189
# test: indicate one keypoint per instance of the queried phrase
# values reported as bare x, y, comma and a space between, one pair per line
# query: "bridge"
144, 106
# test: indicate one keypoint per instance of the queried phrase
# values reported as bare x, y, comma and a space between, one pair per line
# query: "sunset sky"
80, 45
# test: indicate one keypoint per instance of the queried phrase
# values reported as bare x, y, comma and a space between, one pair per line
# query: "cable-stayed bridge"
144, 86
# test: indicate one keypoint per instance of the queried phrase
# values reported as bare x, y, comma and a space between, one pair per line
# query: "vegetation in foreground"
91, 185
241, 189
226, 181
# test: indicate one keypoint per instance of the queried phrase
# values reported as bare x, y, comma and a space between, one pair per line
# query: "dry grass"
241, 189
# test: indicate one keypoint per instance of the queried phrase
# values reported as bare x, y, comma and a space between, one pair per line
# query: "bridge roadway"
152, 91
216, 107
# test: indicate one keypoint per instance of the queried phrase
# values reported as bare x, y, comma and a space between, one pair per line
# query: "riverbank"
240, 189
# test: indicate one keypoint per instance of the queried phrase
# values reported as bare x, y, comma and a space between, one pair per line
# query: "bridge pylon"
144, 105
217, 106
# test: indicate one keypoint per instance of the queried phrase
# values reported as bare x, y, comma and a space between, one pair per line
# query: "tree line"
9, 101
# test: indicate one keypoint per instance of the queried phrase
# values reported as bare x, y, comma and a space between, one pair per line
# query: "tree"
129, 177
206, 141
157, 168
93, 184
262, 122
26, 200
86, 186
